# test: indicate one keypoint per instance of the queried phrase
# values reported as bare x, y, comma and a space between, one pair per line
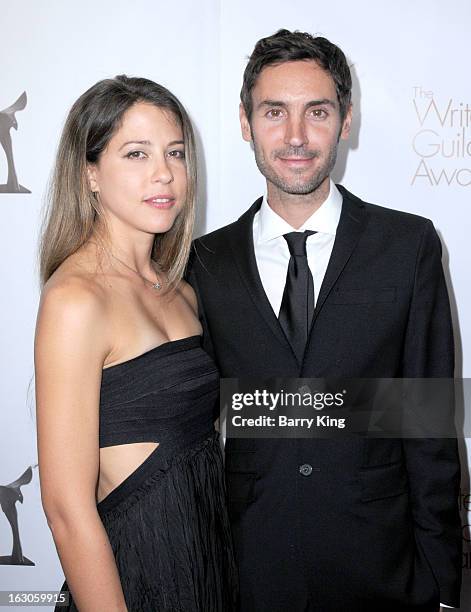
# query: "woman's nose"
162, 172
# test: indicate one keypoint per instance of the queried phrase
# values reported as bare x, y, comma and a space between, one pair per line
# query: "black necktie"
297, 305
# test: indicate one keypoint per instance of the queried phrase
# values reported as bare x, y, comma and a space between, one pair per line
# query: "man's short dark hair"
286, 46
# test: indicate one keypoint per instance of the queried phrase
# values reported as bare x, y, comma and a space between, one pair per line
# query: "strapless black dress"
167, 522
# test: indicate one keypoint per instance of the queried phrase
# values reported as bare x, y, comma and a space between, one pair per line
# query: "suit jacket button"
305, 469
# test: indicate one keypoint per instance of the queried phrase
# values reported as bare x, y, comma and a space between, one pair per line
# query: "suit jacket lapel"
242, 246
351, 224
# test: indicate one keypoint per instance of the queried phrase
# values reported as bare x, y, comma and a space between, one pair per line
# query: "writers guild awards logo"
8, 121
442, 142
9, 495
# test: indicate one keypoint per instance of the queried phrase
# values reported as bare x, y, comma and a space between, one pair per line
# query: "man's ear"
92, 177
244, 124
347, 123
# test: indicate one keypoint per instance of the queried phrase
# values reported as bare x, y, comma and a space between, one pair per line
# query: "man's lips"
296, 162
163, 201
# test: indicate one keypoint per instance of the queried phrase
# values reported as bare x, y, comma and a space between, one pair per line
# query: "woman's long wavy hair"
72, 209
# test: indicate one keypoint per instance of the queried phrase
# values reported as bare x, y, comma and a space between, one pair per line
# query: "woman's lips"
162, 202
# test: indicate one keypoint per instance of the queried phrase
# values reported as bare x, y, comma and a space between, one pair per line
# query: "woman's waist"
167, 455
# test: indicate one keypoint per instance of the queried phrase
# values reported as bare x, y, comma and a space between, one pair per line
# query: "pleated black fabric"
167, 522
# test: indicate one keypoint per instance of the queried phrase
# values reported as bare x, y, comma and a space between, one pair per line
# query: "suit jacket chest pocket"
364, 296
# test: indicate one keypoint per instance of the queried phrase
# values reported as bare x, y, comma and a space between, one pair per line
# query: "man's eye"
318, 113
274, 113
136, 155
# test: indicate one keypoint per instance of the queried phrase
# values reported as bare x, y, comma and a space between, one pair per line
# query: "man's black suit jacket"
375, 526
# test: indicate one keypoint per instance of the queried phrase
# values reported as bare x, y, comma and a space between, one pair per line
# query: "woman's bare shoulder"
188, 293
73, 291
76, 280
73, 303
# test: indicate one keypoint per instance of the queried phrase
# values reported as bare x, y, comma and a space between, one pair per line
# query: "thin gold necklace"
157, 285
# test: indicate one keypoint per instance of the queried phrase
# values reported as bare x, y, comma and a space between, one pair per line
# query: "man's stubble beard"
303, 186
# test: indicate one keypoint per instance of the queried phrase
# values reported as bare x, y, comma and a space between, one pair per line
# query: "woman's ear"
92, 178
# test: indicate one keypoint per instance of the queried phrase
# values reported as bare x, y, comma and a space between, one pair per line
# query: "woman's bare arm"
70, 348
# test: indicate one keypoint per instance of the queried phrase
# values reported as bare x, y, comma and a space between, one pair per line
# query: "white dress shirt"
271, 249
272, 253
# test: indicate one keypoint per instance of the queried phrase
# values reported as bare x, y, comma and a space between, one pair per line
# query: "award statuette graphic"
9, 495
8, 121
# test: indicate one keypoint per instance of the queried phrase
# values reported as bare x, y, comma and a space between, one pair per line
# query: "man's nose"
296, 132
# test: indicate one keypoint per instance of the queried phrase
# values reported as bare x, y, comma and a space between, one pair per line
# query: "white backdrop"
409, 150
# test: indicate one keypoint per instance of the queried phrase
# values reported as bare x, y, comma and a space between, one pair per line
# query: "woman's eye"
177, 154
136, 155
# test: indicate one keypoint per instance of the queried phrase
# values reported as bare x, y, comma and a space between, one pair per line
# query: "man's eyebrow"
271, 103
280, 104
323, 102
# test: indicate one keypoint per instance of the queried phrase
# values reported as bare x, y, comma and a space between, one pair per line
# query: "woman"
130, 464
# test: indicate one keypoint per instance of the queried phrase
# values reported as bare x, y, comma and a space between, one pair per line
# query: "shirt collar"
324, 220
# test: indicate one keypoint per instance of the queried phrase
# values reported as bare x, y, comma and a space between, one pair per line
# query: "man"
328, 525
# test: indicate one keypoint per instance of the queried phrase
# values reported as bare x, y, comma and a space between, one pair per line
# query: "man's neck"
296, 209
